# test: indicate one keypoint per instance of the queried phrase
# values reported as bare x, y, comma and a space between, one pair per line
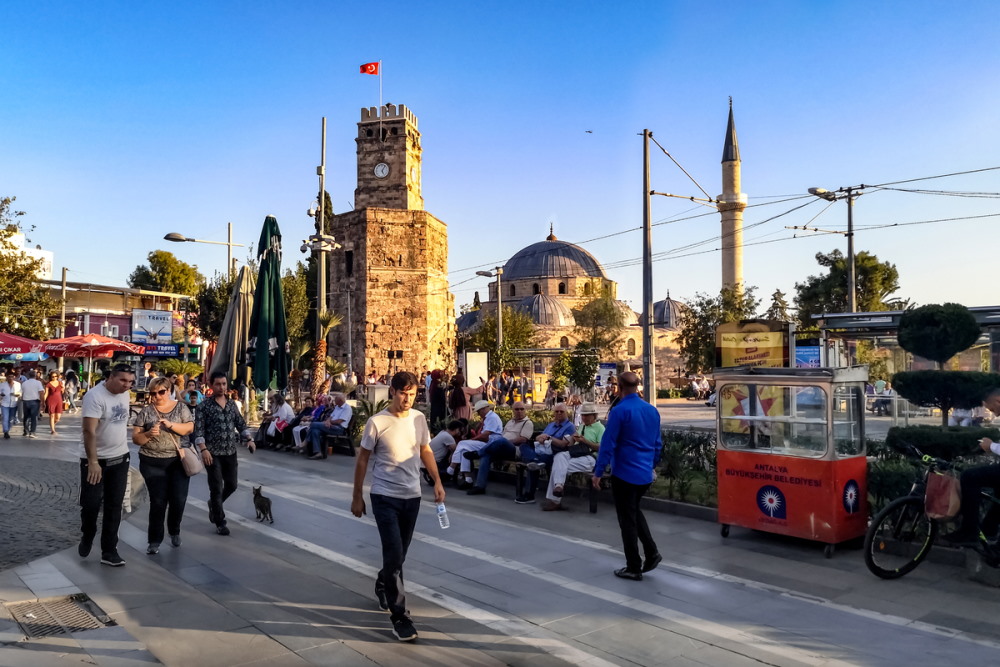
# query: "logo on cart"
771, 501
851, 493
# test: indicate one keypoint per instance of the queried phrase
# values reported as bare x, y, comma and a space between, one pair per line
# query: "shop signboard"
152, 327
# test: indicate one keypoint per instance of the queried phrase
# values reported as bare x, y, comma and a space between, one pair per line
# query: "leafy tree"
600, 323
327, 322
945, 389
827, 293
778, 310
294, 287
26, 306
582, 367
560, 371
703, 315
183, 369
938, 332
166, 273
519, 332
213, 300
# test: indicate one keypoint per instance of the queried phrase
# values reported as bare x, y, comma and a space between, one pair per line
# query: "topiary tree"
938, 332
945, 389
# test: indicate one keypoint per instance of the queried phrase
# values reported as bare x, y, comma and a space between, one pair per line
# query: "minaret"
731, 205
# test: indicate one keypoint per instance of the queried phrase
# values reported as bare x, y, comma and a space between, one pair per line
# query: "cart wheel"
724, 531
828, 551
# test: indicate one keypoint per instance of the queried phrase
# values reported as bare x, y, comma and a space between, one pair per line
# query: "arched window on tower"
535, 290
588, 289
562, 288
513, 291
564, 342
631, 347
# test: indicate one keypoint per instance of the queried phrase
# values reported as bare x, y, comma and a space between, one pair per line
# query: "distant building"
44, 271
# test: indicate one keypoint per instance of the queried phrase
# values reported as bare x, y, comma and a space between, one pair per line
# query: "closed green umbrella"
267, 349
230, 354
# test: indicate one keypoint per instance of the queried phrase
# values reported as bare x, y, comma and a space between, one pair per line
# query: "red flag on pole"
369, 68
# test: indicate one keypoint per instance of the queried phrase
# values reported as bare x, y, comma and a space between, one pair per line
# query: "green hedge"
944, 442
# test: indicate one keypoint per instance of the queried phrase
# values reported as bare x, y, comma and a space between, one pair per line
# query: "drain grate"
57, 616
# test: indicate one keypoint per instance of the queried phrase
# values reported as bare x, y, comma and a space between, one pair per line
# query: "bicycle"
901, 535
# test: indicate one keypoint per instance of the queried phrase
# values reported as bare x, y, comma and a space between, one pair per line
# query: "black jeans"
31, 409
221, 485
973, 481
396, 519
500, 449
167, 484
109, 493
632, 522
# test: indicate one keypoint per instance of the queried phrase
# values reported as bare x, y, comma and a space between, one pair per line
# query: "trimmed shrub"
944, 442
945, 389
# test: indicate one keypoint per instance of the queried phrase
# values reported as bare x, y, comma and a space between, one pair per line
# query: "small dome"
552, 258
546, 311
667, 313
467, 322
629, 316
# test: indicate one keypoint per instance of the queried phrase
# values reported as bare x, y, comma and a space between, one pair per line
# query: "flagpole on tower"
381, 136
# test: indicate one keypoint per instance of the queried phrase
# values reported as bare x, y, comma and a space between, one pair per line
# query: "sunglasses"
161, 392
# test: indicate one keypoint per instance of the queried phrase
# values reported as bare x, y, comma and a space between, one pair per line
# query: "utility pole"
852, 284
648, 358
62, 322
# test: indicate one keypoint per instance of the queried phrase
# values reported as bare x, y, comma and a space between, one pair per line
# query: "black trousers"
221, 485
167, 484
396, 519
632, 522
973, 481
109, 493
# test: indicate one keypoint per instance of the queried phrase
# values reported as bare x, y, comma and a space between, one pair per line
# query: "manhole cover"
57, 616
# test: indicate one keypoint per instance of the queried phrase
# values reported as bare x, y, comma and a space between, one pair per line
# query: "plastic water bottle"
442, 513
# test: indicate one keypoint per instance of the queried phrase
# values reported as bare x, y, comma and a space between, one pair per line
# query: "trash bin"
791, 452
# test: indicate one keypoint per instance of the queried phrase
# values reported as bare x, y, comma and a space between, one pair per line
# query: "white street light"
497, 272
180, 238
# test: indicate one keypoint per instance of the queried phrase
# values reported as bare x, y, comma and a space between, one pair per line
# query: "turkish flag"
369, 68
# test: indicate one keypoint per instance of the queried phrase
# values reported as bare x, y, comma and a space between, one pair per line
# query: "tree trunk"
319, 369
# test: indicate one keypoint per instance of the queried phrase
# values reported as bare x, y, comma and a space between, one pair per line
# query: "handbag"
943, 497
191, 461
579, 449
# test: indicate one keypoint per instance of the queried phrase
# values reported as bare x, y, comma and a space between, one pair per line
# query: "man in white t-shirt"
10, 394
31, 394
399, 440
104, 462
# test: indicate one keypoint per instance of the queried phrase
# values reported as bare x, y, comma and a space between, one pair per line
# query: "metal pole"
320, 230
648, 366
350, 342
499, 272
62, 323
852, 284
229, 255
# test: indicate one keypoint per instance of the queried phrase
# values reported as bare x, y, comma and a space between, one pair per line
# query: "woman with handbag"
579, 457
161, 430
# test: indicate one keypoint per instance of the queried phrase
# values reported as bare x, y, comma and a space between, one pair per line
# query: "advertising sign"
604, 371
162, 350
752, 348
152, 327
807, 356
476, 368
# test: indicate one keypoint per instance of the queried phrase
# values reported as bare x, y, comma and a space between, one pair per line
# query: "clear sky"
123, 121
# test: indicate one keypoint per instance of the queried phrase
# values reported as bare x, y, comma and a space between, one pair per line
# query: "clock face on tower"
381, 170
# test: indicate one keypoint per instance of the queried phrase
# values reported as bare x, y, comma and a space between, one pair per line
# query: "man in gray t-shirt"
399, 441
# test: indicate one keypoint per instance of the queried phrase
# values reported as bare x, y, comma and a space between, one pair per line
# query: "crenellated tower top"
388, 112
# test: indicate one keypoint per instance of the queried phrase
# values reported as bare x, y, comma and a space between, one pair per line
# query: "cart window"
847, 412
785, 420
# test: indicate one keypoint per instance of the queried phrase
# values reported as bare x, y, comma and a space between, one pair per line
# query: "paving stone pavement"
37, 502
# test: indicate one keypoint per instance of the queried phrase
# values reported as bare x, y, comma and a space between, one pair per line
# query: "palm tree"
297, 350
327, 321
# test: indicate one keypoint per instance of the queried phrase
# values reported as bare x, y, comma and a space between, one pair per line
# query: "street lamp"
320, 244
497, 272
850, 194
180, 238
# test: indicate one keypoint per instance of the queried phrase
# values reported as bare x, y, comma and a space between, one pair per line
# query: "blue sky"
125, 121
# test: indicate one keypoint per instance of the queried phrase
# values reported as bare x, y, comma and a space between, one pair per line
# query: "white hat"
588, 409
480, 405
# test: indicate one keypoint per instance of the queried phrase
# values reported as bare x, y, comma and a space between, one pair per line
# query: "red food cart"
791, 452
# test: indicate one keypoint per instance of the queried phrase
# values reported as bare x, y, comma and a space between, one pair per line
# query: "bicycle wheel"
899, 538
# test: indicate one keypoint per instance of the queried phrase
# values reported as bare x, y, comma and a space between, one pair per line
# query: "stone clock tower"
391, 275
389, 160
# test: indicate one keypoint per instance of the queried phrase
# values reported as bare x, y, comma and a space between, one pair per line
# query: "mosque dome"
629, 316
552, 258
467, 322
667, 313
546, 311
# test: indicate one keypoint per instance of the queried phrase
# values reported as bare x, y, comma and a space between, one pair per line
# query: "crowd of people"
24, 398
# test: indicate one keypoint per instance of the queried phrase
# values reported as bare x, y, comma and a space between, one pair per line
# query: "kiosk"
791, 451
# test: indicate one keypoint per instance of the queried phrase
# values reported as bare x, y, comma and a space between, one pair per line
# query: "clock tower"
389, 159
390, 280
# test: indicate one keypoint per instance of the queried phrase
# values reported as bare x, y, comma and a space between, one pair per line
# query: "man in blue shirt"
631, 445
556, 437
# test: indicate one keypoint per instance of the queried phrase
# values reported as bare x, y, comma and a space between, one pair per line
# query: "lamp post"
180, 238
850, 194
497, 272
